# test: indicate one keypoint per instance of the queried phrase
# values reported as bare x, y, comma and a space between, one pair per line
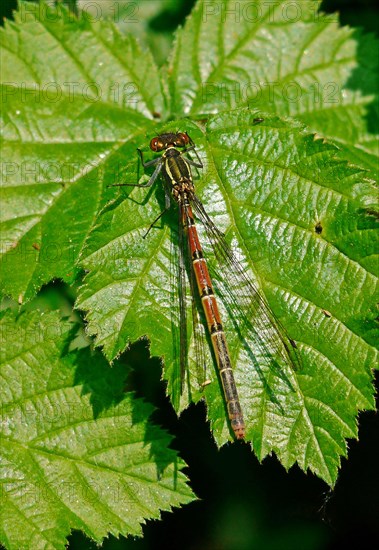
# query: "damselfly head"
163, 141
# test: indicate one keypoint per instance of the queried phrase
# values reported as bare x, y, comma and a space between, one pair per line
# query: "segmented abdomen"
213, 320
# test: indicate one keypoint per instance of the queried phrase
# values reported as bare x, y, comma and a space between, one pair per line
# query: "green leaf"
76, 452
283, 57
299, 216
65, 113
271, 188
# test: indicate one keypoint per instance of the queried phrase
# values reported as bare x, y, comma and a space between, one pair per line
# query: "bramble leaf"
76, 451
64, 115
295, 215
283, 57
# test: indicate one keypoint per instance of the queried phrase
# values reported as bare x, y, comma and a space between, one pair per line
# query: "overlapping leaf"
64, 114
283, 57
76, 452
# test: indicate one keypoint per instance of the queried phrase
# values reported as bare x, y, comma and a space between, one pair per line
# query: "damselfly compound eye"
156, 144
182, 139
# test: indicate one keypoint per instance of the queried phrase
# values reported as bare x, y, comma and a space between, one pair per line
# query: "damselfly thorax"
177, 173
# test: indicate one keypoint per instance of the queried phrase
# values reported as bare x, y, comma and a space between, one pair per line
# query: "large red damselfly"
259, 321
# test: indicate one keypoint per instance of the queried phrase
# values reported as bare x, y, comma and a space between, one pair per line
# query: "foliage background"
257, 506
